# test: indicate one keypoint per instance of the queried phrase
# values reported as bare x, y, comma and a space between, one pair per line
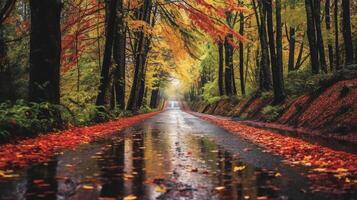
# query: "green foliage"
210, 92
271, 113
302, 82
28, 119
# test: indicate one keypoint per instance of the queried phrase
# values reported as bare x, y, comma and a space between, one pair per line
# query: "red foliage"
42, 148
211, 25
80, 20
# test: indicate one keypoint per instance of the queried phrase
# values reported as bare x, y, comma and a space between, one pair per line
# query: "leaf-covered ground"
321, 160
42, 148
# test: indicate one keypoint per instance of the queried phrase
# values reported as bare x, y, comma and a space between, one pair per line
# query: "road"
172, 155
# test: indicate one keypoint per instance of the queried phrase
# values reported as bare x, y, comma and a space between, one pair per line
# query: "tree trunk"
110, 31
133, 102
265, 77
228, 65
154, 98
278, 78
346, 29
292, 41
45, 51
319, 39
328, 28
220, 69
241, 54
119, 58
311, 35
337, 46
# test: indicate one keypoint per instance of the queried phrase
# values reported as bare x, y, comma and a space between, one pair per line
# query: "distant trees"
45, 51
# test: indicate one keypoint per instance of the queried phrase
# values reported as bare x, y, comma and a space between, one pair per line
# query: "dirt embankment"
331, 111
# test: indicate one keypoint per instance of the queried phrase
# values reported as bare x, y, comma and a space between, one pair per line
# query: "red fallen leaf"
37, 181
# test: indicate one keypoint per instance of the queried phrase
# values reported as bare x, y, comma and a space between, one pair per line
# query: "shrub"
28, 119
302, 82
272, 113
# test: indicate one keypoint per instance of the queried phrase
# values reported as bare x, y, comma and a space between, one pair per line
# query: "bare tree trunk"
265, 77
337, 46
45, 51
278, 80
292, 41
311, 35
319, 39
228, 66
328, 28
346, 27
110, 32
140, 59
241, 55
220, 68
119, 57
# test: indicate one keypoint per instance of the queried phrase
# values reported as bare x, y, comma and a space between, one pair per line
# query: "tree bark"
45, 51
241, 54
265, 77
319, 39
328, 28
110, 31
292, 41
220, 69
346, 28
278, 78
228, 65
133, 102
119, 57
311, 35
337, 46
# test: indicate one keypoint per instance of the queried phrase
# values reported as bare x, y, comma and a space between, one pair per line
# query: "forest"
99, 66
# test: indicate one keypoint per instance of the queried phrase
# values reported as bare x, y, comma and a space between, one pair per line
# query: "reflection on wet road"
173, 155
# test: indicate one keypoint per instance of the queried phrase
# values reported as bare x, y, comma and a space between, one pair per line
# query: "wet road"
173, 155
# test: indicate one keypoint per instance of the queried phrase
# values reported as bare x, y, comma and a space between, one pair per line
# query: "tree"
45, 51
220, 68
110, 32
311, 35
119, 57
337, 46
241, 55
346, 29
265, 76
328, 28
143, 14
276, 52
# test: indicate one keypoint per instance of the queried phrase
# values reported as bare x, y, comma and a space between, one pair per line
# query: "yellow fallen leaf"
87, 187
160, 189
277, 174
219, 188
238, 168
130, 197
320, 169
